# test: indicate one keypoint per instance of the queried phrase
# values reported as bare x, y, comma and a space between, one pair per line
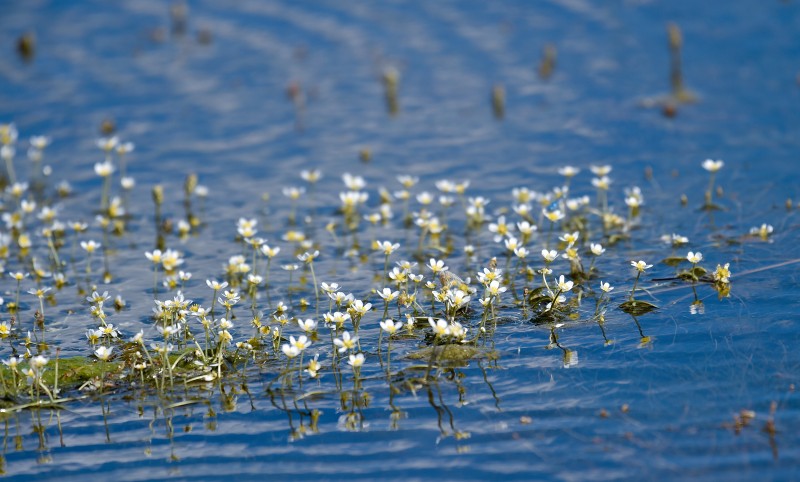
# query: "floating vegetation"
430, 305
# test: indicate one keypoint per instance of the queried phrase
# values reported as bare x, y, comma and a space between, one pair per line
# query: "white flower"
564, 286
39, 142
12, 362
425, 198
549, 256
270, 252
104, 169
495, 289
387, 247
511, 243
601, 182
107, 143
554, 215
90, 246
293, 192
103, 352
764, 230
216, 285
407, 181
353, 183
711, 165
38, 362
600, 170
300, 343
360, 308
722, 274
388, 295
311, 176
606, 287
390, 326
337, 318
314, 367
171, 259
356, 361
346, 342
329, 288
290, 351
570, 238
641, 265
694, 258
526, 228
597, 249
125, 148
439, 326
308, 256
154, 256
457, 298
457, 330
308, 325
568, 171
437, 265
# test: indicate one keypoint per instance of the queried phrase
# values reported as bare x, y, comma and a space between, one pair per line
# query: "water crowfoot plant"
633, 306
198, 352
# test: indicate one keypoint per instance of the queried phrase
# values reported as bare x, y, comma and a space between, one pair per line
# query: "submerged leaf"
637, 308
452, 352
673, 261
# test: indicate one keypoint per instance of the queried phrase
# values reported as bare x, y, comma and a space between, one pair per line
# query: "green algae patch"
72, 373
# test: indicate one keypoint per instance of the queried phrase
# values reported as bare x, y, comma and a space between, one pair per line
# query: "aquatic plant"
438, 300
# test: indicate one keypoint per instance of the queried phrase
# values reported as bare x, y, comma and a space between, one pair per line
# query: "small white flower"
390, 326
311, 176
564, 286
439, 326
495, 289
568, 171
356, 361
388, 295
387, 247
694, 258
290, 351
103, 352
711, 165
346, 342
104, 169
300, 343
308, 325
437, 265
549, 256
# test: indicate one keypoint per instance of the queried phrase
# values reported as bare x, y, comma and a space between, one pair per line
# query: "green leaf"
637, 308
673, 261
